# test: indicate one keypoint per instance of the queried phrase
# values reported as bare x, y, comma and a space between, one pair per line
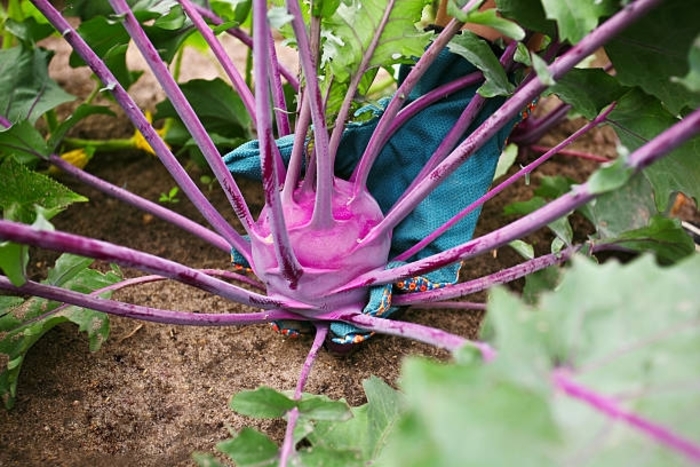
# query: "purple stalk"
132, 111
293, 415
356, 79
229, 68
144, 313
486, 282
270, 165
460, 127
655, 149
143, 280
186, 113
535, 128
296, 161
105, 251
609, 407
510, 110
246, 39
432, 336
528, 169
323, 215
283, 126
381, 133
143, 204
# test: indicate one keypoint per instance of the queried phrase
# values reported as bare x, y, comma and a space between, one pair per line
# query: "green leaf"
528, 13
587, 90
81, 112
488, 17
262, 402
662, 236
13, 262
322, 408
627, 208
24, 142
219, 107
611, 176
235, 11
506, 160
250, 448
539, 282
541, 70
22, 189
655, 48
26, 90
25, 322
110, 41
638, 118
351, 30
692, 80
28, 30
479, 53
574, 18
523, 248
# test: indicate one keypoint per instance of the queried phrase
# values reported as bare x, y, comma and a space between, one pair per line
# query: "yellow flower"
77, 157
141, 143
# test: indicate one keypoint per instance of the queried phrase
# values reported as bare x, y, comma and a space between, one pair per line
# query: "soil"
153, 394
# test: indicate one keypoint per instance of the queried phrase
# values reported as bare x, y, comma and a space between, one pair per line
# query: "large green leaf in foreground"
604, 371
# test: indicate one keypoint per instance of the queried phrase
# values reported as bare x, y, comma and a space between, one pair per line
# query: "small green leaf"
250, 448
479, 53
524, 249
13, 262
609, 177
587, 90
488, 17
692, 80
262, 402
322, 408
540, 67
23, 141
21, 190
576, 19
506, 160
26, 90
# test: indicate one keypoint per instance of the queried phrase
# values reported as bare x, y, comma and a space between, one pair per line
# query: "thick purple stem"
528, 169
418, 332
229, 68
105, 251
271, 166
287, 450
509, 111
381, 133
136, 116
142, 204
186, 113
323, 215
486, 282
563, 381
144, 313
248, 41
655, 149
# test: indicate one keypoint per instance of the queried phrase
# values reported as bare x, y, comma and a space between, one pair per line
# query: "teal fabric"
397, 166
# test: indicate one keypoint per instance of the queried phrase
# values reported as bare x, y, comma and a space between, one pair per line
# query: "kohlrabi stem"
506, 113
537, 127
229, 68
143, 204
357, 78
485, 282
323, 216
248, 41
296, 160
610, 407
380, 134
188, 186
278, 100
270, 160
144, 313
105, 251
654, 150
429, 335
524, 171
287, 449
186, 113
461, 125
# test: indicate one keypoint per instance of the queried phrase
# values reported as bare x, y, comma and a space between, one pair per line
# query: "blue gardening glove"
395, 169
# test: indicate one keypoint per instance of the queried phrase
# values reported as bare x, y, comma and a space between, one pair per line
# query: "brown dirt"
153, 394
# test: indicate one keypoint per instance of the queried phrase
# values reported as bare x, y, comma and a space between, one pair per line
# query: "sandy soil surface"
153, 394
